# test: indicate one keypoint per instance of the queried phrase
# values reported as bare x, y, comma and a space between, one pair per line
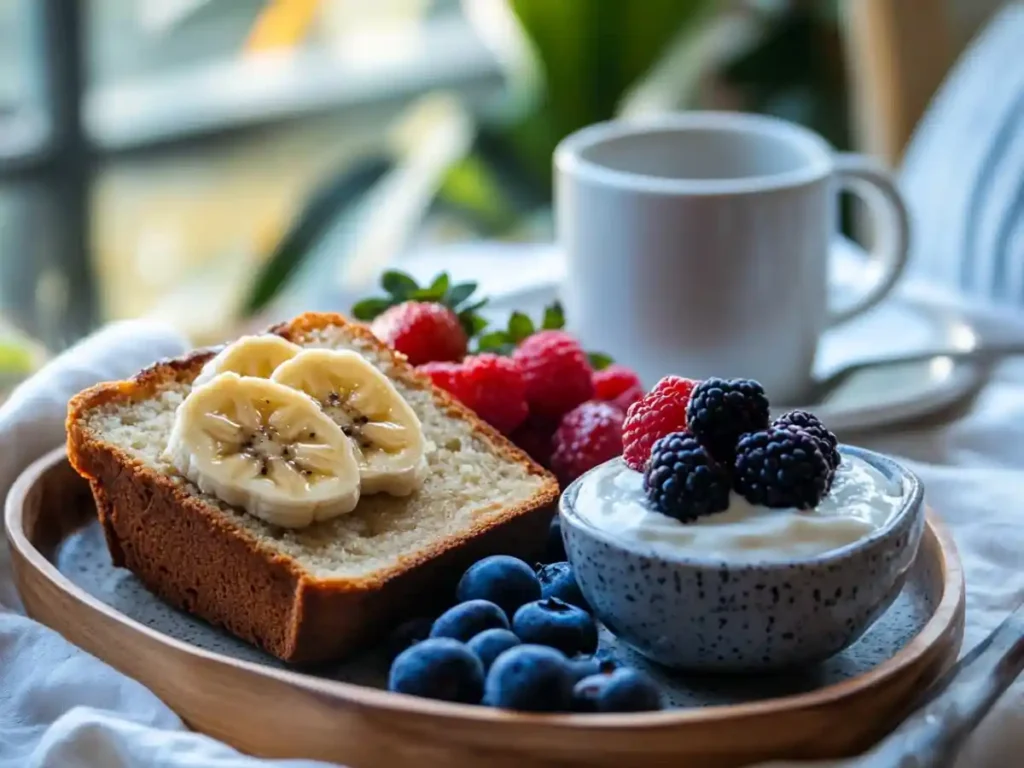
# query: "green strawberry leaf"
440, 284
367, 309
472, 324
497, 342
398, 284
427, 294
458, 294
554, 317
519, 327
473, 307
599, 361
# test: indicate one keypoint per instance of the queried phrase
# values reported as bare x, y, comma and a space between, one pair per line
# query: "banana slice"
388, 436
249, 356
257, 444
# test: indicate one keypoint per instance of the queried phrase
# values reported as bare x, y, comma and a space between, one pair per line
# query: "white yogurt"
862, 499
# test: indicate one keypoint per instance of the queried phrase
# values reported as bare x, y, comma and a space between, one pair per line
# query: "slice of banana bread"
310, 594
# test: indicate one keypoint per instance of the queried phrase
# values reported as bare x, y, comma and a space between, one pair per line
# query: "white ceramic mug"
698, 244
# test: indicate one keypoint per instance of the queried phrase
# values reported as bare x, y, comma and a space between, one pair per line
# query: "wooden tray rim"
942, 622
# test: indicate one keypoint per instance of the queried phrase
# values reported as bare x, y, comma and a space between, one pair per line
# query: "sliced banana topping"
263, 446
249, 356
387, 434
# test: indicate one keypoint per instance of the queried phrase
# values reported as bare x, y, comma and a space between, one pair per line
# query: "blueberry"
506, 581
463, 621
491, 643
556, 545
623, 690
530, 678
438, 668
586, 666
557, 624
558, 580
407, 634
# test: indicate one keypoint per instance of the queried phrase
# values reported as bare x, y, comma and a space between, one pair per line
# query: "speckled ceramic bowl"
709, 615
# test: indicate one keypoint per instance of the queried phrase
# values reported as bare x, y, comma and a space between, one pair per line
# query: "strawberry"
618, 385
556, 371
451, 377
422, 331
495, 389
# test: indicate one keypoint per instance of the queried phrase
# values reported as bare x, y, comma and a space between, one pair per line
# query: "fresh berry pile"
570, 410
517, 638
561, 405
698, 442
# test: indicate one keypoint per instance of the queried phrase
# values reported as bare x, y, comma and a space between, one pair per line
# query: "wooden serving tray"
234, 693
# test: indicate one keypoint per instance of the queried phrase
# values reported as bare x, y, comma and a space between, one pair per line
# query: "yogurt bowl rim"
911, 503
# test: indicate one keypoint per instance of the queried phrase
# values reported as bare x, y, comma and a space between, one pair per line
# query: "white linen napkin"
62, 708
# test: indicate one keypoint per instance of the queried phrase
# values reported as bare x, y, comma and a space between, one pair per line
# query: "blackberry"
723, 410
811, 424
781, 467
683, 481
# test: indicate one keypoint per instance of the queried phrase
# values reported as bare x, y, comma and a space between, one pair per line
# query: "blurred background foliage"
243, 160
466, 172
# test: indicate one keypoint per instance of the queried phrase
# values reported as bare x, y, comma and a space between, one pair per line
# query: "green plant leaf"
398, 284
590, 52
599, 361
519, 327
326, 205
367, 309
459, 293
15, 358
554, 317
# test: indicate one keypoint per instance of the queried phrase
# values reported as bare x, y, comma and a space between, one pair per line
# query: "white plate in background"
527, 277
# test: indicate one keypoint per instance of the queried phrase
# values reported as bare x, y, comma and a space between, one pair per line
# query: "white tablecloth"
61, 708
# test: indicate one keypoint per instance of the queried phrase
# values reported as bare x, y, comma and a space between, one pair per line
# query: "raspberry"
618, 385
811, 424
683, 481
627, 398
781, 467
723, 410
656, 414
496, 391
557, 374
451, 377
422, 331
613, 381
589, 435
534, 436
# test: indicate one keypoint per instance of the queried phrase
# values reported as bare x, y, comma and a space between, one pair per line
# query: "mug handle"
865, 178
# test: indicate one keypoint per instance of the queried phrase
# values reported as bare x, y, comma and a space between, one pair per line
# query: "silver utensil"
826, 385
952, 707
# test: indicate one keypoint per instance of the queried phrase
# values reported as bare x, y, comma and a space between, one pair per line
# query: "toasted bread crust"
197, 560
